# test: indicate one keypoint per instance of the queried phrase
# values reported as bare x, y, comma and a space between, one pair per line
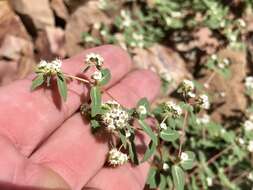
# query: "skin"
44, 142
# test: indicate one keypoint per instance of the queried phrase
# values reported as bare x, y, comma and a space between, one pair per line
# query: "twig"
206, 84
77, 78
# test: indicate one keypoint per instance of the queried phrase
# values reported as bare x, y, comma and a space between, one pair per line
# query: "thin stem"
77, 78
206, 84
164, 119
183, 134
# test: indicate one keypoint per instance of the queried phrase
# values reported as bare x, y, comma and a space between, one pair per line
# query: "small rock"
8, 71
14, 47
50, 43
77, 25
73, 5
159, 58
60, 9
11, 23
37, 12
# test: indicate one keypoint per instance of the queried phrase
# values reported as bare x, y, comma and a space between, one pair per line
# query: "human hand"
45, 144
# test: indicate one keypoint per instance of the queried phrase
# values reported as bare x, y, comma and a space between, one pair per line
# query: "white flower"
128, 134
57, 63
223, 131
250, 146
214, 57
163, 126
116, 157
184, 156
111, 127
165, 75
205, 119
50, 67
103, 32
249, 82
191, 94
176, 14
165, 166
187, 87
89, 39
116, 116
209, 181
174, 109
127, 21
248, 125
241, 22
142, 110
42, 63
138, 37
203, 101
188, 84
250, 176
97, 75
224, 63
97, 25
112, 102
94, 58
241, 141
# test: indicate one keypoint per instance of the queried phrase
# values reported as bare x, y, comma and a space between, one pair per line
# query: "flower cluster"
49, 68
249, 82
142, 110
221, 63
97, 75
248, 125
203, 101
174, 109
116, 157
184, 156
165, 75
116, 117
138, 40
125, 15
205, 119
250, 146
186, 88
94, 59
163, 126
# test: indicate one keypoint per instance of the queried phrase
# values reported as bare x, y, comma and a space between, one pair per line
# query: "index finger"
27, 118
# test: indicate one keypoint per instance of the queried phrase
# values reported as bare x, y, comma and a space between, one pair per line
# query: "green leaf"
96, 101
38, 81
169, 135
148, 130
178, 177
189, 163
150, 151
152, 179
132, 151
163, 182
123, 138
62, 86
106, 77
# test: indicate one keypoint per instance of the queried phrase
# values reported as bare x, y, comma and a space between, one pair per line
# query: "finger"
17, 172
27, 118
73, 152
